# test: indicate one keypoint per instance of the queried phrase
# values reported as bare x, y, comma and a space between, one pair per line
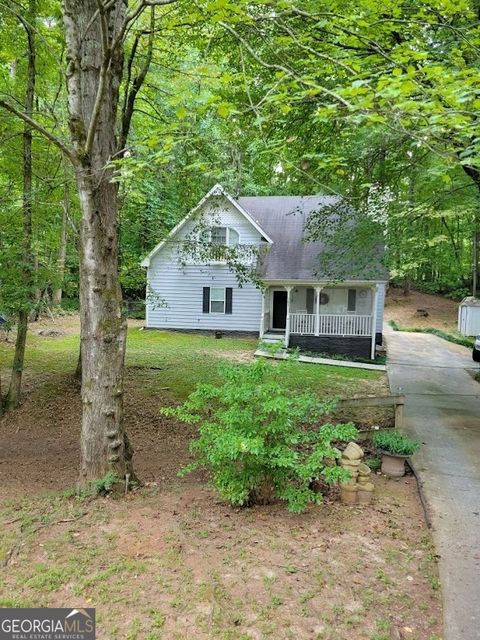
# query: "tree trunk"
77, 374
37, 292
13, 396
94, 73
62, 249
103, 335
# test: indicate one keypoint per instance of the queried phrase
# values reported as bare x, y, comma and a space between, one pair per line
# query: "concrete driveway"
442, 410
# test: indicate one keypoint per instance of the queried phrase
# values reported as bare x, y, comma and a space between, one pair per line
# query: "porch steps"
272, 338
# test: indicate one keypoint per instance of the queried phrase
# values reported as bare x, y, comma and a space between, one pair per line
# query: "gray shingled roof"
283, 218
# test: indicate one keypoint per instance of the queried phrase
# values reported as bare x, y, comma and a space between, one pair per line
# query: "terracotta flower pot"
393, 465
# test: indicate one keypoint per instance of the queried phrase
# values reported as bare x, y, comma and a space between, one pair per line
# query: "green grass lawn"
181, 361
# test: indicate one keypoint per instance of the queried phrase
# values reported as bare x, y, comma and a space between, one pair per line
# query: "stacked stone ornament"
358, 490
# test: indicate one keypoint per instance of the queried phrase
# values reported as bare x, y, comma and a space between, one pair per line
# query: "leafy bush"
395, 442
272, 348
260, 440
459, 293
451, 337
374, 463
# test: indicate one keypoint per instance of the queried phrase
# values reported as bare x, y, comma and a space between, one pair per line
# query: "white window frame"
224, 289
227, 236
219, 229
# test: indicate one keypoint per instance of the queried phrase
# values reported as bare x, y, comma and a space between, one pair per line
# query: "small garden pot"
365, 493
393, 465
348, 493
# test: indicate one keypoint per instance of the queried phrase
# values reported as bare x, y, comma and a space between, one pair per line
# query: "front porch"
332, 319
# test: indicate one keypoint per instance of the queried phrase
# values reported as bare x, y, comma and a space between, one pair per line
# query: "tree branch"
38, 127
92, 128
130, 95
141, 8
281, 67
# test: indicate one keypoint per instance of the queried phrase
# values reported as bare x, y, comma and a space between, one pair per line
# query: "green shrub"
394, 324
260, 440
104, 486
395, 442
374, 463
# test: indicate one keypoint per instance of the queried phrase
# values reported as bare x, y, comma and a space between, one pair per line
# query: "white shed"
469, 316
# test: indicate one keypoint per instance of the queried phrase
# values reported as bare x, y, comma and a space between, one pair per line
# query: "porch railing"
331, 324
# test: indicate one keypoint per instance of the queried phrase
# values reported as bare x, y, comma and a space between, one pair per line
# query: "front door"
279, 318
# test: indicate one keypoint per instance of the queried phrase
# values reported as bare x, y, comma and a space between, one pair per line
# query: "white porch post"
318, 291
262, 317
374, 321
287, 324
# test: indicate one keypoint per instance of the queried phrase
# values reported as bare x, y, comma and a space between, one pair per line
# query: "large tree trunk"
94, 74
13, 396
103, 334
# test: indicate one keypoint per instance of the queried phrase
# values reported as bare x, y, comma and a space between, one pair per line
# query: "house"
190, 292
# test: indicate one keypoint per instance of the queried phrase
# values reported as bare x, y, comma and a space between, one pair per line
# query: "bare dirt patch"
241, 357
40, 440
177, 563
442, 312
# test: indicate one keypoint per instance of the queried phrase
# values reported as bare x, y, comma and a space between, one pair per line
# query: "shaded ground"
162, 368
442, 312
171, 561
40, 441
175, 563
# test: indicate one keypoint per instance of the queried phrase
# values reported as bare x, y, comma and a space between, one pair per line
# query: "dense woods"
116, 117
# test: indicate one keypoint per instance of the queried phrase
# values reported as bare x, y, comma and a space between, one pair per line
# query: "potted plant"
395, 449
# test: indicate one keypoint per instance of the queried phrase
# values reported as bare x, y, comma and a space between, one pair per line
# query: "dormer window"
223, 236
218, 235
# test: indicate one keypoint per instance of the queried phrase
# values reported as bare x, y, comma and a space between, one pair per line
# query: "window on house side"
352, 300
219, 235
224, 236
217, 300
233, 238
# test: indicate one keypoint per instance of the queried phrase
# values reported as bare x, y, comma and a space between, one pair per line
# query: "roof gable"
217, 190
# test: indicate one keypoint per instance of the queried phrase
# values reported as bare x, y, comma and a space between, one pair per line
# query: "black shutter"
228, 300
309, 300
206, 299
352, 300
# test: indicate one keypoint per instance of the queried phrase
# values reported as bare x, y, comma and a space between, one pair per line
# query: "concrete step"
273, 337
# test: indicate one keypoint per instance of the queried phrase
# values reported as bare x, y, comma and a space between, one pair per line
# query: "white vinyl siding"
380, 306
180, 286
177, 300
233, 237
